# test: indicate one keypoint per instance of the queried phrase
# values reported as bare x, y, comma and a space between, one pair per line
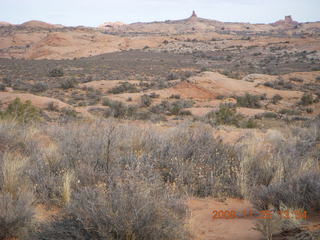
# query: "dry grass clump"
16, 198
129, 208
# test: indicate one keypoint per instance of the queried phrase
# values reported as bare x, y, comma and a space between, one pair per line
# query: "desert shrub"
176, 96
269, 84
269, 115
146, 100
250, 123
306, 99
68, 114
7, 81
296, 79
2, 87
67, 83
318, 78
269, 227
16, 198
248, 100
231, 74
154, 95
173, 76
185, 113
220, 97
154, 214
21, 112
40, 87
279, 84
289, 112
124, 87
173, 108
52, 106
309, 110
276, 98
56, 72
300, 192
118, 109
226, 115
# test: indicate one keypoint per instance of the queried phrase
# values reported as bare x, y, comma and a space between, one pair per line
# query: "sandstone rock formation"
287, 21
109, 26
193, 17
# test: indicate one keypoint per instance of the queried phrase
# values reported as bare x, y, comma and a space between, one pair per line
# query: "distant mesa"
287, 21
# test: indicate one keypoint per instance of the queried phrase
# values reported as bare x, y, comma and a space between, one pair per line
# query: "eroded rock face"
287, 21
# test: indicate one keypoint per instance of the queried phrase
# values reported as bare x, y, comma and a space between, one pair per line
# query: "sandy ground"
204, 227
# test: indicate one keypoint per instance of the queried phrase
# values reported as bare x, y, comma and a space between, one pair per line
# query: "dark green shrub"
56, 72
309, 110
173, 76
248, 100
306, 99
226, 115
173, 108
2, 87
154, 95
67, 83
269, 115
176, 96
276, 98
124, 87
146, 100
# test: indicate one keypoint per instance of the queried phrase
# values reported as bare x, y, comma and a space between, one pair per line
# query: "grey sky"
95, 12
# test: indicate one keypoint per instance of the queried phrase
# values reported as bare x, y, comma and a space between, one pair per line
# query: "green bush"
306, 99
226, 115
248, 100
21, 112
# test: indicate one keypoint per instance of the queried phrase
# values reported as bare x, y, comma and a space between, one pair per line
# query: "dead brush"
16, 198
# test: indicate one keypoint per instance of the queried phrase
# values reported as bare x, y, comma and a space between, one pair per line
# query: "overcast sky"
95, 12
